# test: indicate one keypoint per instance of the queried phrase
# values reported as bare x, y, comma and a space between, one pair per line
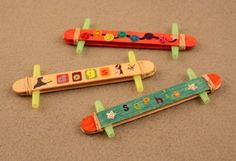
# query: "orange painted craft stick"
130, 39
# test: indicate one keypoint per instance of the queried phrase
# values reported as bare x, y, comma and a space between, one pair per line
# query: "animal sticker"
118, 69
40, 82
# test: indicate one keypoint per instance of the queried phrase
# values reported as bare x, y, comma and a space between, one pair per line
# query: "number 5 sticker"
91, 74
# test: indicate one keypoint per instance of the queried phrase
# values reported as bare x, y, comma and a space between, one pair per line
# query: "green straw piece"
191, 74
175, 29
99, 106
36, 94
80, 44
80, 47
204, 96
109, 129
137, 79
86, 23
175, 52
175, 49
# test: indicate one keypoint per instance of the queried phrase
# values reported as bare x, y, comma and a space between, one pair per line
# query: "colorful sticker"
76, 76
134, 38
159, 100
90, 73
40, 82
62, 78
146, 100
111, 115
122, 34
192, 87
104, 71
137, 106
118, 69
97, 33
176, 93
109, 37
131, 67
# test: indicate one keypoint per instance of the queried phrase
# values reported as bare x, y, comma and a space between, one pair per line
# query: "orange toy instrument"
129, 39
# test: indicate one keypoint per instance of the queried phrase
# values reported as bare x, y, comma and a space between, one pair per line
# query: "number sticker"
91, 74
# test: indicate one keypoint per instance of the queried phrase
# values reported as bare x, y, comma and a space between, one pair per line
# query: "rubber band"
76, 36
209, 82
139, 66
97, 124
28, 86
182, 44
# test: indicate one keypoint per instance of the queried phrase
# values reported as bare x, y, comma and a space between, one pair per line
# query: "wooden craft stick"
84, 77
130, 39
146, 105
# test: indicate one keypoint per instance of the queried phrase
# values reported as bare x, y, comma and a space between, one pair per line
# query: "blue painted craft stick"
149, 104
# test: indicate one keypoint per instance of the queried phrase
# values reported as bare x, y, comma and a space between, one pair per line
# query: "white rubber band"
76, 36
182, 44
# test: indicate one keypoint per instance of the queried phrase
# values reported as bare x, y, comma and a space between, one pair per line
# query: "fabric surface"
32, 32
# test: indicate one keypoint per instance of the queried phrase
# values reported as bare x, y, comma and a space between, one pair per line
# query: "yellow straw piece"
36, 94
137, 79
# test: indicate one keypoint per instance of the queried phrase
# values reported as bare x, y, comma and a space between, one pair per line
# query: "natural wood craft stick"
84, 77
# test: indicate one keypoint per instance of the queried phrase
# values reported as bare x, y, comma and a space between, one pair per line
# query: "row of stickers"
89, 74
138, 106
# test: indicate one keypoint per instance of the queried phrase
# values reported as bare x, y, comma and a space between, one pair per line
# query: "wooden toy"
106, 119
129, 39
37, 84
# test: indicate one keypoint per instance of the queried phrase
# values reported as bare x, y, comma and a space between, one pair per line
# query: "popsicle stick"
150, 104
132, 39
115, 73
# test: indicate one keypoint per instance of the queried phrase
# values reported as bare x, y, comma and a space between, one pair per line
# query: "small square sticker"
76, 76
104, 71
90, 73
62, 78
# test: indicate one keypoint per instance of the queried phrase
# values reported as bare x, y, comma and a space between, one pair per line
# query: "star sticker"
111, 115
192, 87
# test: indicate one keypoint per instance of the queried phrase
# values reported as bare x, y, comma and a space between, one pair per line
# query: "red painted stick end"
69, 36
88, 124
215, 79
